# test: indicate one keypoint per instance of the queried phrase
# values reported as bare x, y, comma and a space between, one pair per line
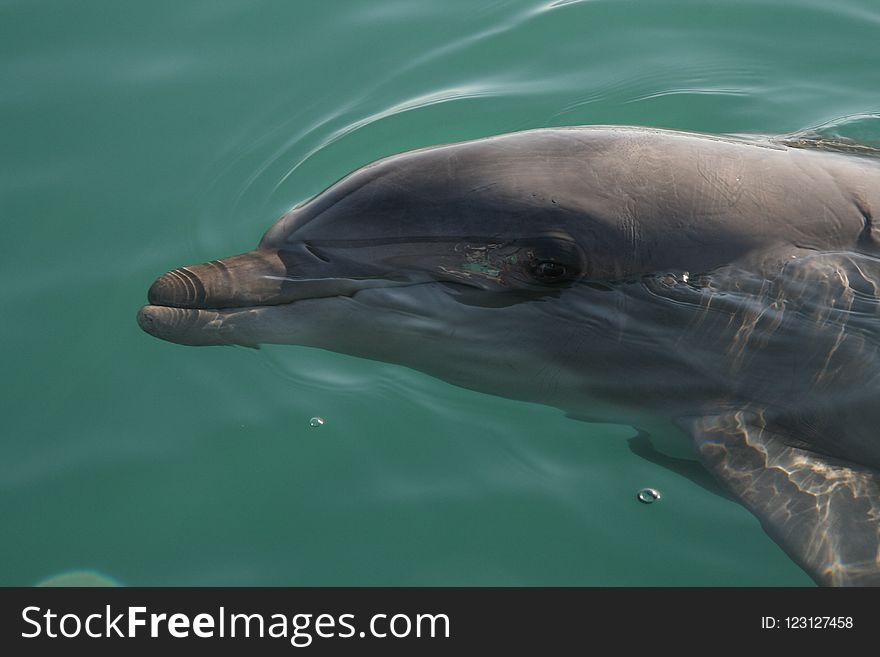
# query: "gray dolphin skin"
724, 289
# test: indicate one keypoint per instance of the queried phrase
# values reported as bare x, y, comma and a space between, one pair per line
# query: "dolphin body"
724, 285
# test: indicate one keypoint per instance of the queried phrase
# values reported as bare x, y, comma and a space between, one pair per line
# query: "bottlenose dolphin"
724, 285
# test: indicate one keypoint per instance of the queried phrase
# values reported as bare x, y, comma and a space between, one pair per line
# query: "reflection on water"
78, 578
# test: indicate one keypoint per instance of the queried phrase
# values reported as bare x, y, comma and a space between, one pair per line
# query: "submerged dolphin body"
726, 285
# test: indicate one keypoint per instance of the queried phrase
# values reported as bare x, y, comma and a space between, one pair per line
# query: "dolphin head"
451, 217
471, 261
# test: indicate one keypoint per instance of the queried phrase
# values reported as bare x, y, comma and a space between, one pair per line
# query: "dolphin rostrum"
726, 286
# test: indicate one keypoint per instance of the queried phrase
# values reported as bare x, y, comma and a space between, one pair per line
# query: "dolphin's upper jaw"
250, 279
223, 301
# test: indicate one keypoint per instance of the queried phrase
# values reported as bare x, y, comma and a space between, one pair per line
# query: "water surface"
137, 137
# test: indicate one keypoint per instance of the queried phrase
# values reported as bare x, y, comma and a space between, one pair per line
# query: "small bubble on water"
316, 421
648, 495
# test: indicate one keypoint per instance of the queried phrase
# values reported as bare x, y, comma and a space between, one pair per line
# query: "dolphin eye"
548, 271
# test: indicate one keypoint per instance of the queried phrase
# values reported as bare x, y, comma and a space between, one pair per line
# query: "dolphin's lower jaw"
324, 320
188, 326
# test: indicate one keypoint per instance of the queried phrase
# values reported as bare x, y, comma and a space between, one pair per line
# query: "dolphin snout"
180, 288
252, 278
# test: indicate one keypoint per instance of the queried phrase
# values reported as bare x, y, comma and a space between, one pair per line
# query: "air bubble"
648, 495
316, 422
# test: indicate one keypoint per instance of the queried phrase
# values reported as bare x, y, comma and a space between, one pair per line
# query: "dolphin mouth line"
350, 293
176, 323
226, 309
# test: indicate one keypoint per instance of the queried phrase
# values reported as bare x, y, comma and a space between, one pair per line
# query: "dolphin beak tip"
180, 288
169, 324
157, 291
147, 320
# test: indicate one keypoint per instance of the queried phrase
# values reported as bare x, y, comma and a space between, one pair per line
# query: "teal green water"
137, 137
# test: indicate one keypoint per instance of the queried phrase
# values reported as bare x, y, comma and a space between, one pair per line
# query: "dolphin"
724, 287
